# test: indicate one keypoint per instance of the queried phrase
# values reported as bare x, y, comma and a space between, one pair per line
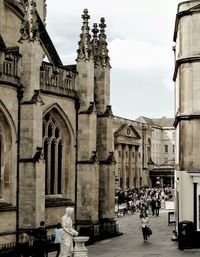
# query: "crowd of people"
144, 200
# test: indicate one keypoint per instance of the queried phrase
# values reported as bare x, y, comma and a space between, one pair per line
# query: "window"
6, 185
53, 147
166, 148
173, 149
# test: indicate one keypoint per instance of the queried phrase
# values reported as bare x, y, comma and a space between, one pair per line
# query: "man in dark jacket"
40, 243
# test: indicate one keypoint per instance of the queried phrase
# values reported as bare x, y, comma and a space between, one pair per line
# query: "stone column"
137, 176
130, 166
123, 167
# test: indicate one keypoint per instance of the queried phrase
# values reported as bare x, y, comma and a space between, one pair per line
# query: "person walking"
57, 238
157, 206
145, 224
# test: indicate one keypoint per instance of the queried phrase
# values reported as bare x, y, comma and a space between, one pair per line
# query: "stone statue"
68, 233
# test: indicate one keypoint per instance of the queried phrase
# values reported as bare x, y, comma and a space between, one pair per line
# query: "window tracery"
53, 148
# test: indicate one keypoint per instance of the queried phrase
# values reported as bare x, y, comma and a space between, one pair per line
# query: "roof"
146, 120
164, 122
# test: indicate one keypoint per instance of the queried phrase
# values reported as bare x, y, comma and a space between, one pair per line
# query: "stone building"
136, 142
187, 120
161, 150
56, 125
131, 170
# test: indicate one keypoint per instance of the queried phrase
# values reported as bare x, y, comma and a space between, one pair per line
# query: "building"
137, 142
130, 169
162, 151
56, 135
187, 109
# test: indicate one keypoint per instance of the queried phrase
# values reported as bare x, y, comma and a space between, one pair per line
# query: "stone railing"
9, 66
57, 80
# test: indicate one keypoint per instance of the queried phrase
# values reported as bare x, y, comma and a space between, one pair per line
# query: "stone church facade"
60, 144
56, 136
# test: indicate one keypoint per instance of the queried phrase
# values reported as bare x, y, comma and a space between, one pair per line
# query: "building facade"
56, 135
136, 143
162, 151
187, 120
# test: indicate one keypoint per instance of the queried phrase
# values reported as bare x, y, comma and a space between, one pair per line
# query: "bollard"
79, 249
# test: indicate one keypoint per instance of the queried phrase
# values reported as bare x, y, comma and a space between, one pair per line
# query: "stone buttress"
87, 164
105, 143
31, 167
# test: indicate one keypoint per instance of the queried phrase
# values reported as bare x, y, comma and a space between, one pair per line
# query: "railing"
9, 66
57, 80
10, 249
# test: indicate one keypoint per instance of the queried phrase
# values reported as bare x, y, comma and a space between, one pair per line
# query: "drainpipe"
20, 92
77, 106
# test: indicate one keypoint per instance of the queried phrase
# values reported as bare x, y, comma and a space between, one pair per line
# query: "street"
131, 244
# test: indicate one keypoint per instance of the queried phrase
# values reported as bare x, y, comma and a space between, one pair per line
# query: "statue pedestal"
80, 250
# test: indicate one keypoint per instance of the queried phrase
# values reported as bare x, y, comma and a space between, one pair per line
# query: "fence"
10, 249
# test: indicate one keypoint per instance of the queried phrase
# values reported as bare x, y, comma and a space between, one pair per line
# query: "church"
60, 144
56, 146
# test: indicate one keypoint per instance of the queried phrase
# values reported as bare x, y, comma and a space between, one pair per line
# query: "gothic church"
56, 134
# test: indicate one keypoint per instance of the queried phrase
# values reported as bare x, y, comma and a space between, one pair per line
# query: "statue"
67, 234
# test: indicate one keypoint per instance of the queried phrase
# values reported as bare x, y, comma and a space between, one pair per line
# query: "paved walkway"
131, 244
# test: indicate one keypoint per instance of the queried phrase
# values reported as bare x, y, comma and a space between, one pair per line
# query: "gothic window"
53, 155
5, 157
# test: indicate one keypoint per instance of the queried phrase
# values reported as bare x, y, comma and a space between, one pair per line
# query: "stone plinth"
80, 250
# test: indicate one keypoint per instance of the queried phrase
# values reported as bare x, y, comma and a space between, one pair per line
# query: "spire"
85, 50
29, 29
103, 50
95, 43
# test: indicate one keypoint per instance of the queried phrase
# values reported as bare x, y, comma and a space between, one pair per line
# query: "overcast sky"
140, 40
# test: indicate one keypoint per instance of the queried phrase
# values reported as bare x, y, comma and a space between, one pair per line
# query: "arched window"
52, 145
6, 158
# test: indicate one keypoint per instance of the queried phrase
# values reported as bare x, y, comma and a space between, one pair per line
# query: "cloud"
134, 54
140, 39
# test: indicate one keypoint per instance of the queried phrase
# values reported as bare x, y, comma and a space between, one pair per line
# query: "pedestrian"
157, 206
23, 248
153, 205
40, 244
57, 238
145, 226
66, 246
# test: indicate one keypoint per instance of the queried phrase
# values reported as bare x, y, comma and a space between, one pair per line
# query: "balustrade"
57, 80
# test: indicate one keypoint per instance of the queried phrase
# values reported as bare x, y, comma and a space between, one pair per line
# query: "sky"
140, 40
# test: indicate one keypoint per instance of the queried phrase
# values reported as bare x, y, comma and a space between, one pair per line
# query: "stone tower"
187, 116
95, 199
